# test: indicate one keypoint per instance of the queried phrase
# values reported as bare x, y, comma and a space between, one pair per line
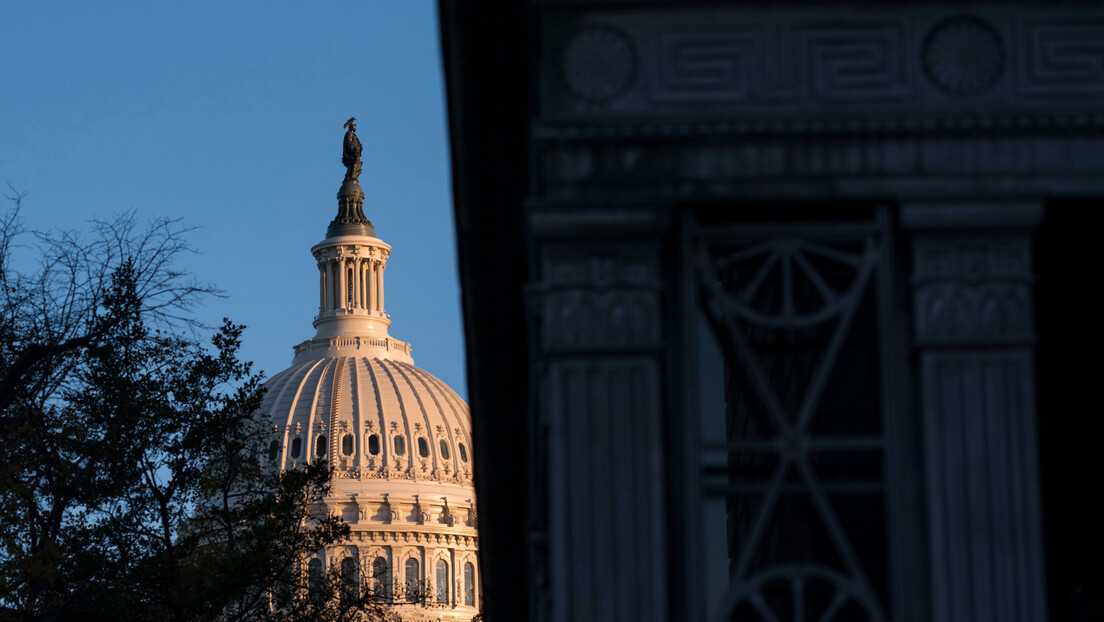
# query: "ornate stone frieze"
973, 291
734, 61
1064, 162
599, 301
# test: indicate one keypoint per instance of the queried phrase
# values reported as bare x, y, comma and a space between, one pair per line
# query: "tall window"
347, 444
349, 287
320, 446
413, 581
350, 582
273, 450
374, 444
796, 419
442, 582
296, 448
469, 584
314, 577
381, 579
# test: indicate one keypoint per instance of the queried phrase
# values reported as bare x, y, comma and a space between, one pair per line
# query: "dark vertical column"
600, 399
974, 329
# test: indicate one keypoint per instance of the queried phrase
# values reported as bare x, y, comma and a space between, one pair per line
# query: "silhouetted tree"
131, 486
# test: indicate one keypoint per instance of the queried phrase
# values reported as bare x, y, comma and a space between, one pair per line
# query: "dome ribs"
459, 411
448, 425
289, 402
412, 391
355, 418
385, 446
392, 402
312, 410
282, 400
335, 401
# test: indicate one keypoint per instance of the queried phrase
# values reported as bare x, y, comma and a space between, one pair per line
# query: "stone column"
379, 287
597, 536
370, 277
974, 332
335, 288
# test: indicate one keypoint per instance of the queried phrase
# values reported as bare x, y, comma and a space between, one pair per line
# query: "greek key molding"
729, 62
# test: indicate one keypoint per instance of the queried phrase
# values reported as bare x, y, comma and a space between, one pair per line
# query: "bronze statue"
350, 155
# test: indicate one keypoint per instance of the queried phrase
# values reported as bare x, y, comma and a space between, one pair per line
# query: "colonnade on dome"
351, 277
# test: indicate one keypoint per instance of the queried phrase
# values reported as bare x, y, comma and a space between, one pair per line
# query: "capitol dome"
398, 438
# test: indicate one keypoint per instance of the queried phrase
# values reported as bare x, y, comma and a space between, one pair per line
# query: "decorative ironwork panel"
793, 456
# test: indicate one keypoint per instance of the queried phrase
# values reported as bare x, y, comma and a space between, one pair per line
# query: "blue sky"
230, 115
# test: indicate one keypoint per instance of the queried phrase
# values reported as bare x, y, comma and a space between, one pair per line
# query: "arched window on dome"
444, 450
442, 582
400, 446
350, 581
320, 446
423, 447
413, 581
347, 444
463, 452
296, 447
273, 450
381, 580
374, 444
469, 584
314, 578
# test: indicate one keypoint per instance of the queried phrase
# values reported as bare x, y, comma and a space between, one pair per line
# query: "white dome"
398, 438
422, 428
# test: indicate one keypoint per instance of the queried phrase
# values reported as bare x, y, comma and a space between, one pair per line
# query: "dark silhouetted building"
782, 313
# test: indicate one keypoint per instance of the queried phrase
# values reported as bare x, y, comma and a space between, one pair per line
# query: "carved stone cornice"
672, 103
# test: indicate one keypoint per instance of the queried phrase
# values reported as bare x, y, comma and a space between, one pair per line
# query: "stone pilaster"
599, 436
974, 331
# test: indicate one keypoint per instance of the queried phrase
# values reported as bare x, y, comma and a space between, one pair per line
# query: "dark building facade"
782, 313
